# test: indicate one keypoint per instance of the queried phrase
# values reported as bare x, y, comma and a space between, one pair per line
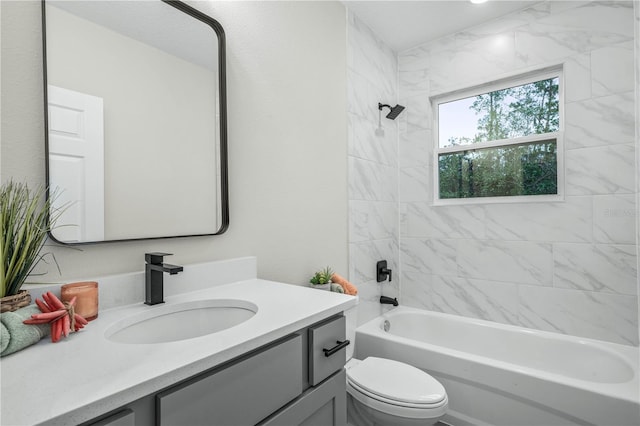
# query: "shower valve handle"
382, 272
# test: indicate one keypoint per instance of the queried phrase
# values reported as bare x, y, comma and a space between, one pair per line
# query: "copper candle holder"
86, 298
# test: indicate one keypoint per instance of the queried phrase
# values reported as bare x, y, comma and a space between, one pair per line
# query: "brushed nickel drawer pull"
336, 348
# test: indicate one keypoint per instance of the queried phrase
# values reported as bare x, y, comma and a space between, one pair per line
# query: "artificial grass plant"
24, 223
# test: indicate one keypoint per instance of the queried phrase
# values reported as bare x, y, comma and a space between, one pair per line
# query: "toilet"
384, 392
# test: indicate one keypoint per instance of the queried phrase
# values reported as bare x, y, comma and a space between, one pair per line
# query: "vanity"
282, 365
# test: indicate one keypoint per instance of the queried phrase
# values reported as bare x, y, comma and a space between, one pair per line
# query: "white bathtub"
505, 375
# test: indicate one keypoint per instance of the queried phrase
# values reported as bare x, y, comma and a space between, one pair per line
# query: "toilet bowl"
387, 392
383, 392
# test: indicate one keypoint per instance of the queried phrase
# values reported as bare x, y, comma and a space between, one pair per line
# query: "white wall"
373, 166
0, 102
287, 140
569, 267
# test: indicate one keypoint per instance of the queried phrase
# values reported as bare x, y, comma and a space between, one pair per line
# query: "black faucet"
388, 301
154, 273
382, 272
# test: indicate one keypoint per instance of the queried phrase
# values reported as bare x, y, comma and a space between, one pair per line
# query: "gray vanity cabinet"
324, 400
321, 406
296, 380
241, 394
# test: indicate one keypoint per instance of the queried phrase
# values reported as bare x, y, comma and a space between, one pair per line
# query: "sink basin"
181, 321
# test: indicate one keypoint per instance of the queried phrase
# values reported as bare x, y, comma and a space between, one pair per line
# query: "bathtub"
499, 374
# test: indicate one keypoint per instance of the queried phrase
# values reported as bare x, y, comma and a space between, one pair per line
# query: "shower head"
393, 111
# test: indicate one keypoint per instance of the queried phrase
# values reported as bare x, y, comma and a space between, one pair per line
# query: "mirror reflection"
136, 120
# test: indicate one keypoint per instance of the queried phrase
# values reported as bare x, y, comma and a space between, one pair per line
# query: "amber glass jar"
86, 298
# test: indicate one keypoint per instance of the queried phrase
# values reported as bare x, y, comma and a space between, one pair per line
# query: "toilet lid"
396, 381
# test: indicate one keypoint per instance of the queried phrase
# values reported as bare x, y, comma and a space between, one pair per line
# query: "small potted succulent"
322, 279
24, 222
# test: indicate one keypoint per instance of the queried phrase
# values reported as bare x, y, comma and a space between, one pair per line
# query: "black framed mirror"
135, 116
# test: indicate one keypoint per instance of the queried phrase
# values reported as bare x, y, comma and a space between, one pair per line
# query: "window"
500, 140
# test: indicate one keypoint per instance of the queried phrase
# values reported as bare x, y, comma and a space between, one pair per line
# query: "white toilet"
384, 392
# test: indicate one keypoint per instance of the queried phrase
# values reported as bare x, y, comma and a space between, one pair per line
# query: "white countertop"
85, 375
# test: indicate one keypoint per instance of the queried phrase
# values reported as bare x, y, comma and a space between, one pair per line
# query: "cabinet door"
241, 394
121, 418
324, 405
322, 337
137, 413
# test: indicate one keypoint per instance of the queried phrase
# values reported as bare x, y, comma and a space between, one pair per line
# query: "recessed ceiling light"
478, 1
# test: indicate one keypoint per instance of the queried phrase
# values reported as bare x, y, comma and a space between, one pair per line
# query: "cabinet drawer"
241, 394
323, 337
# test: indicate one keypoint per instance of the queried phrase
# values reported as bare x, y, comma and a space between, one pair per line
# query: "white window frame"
547, 73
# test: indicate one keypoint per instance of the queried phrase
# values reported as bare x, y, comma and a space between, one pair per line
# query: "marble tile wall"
571, 266
373, 166
636, 9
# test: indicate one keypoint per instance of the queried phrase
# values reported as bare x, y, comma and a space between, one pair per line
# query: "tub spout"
388, 301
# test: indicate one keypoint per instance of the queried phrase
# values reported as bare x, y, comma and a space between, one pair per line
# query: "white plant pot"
326, 286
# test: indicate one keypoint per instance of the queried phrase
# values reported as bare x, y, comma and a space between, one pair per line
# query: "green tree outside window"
528, 168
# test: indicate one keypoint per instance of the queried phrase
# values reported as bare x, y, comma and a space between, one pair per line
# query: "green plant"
24, 222
323, 276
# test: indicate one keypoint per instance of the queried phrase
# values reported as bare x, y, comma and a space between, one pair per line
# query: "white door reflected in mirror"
76, 164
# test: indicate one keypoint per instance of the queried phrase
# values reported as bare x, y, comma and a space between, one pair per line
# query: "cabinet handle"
336, 348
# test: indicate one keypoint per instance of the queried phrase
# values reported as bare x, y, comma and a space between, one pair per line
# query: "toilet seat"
396, 388
397, 403
397, 382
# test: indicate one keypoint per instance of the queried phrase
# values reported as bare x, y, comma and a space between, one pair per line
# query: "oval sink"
180, 321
